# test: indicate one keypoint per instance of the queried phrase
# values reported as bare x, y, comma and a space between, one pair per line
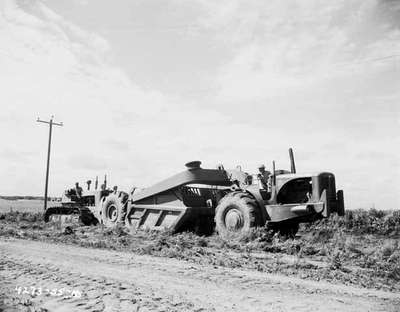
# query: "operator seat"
265, 194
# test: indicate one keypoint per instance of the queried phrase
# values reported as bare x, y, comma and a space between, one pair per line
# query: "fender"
255, 192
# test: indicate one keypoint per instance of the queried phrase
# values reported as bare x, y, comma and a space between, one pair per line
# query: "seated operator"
263, 178
248, 179
78, 190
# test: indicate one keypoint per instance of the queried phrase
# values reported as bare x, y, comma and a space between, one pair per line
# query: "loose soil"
122, 281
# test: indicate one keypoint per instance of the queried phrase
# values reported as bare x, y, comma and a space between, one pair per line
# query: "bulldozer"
230, 202
86, 207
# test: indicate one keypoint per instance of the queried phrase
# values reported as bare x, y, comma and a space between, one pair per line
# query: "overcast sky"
144, 86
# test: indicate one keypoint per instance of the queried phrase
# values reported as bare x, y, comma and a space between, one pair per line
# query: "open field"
24, 205
360, 251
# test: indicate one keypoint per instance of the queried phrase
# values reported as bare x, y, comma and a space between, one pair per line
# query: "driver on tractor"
78, 190
264, 178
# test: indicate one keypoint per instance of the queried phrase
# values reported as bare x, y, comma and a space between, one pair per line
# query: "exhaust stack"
292, 164
273, 173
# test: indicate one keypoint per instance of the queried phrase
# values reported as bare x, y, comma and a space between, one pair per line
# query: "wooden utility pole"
50, 123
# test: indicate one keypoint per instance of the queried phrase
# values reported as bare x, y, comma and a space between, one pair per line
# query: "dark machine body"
225, 200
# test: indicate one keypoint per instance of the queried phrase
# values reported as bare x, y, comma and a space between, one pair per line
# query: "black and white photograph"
200, 155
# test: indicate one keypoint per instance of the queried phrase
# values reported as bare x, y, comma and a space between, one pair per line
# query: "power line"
50, 123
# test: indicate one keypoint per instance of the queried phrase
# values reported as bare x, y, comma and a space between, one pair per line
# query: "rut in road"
120, 281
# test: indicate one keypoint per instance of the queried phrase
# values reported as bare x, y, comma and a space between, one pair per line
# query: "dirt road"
104, 280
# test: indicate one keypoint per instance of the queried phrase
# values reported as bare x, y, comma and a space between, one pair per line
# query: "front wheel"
236, 214
340, 203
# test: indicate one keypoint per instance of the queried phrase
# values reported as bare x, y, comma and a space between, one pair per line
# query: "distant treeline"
28, 198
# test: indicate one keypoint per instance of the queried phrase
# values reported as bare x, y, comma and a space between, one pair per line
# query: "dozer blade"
69, 215
65, 219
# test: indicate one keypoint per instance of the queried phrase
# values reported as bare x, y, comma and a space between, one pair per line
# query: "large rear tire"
236, 214
114, 209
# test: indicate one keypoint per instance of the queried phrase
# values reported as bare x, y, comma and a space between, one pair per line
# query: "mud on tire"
113, 209
236, 214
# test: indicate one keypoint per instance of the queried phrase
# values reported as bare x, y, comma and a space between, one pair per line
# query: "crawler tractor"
225, 200
91, 207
